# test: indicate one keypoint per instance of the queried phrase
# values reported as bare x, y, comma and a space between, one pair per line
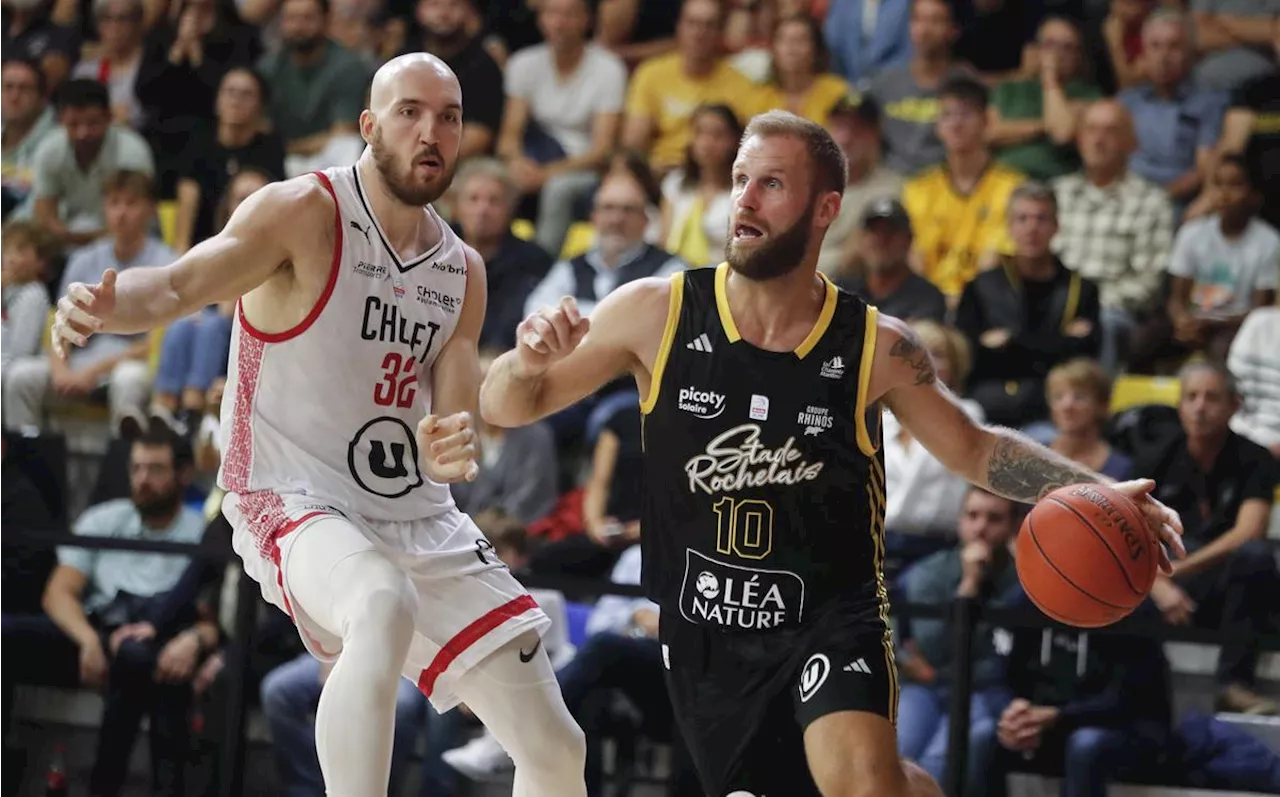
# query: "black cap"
856, 105
887, 209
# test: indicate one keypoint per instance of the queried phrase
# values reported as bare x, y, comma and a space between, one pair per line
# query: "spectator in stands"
26, 570
114, 607
908, 93
358, 26
27, 119
634, 30
193, 354
116, 362
1026, 316
1222, 267
182, 68
1177, 124
74, 162
120, 31
1118, 61
290, 694
666, 89
563, 113
1079, 394
24, 303
799, 80
923, 498
1090, 709
696, 197
28, 251
486, 198
887, 280
1252, 127
317, 90
854, 124
979, 569
619, 255
958, 207
1034, 120
1116, 228
1223, 486
216, 153
1254, 360
30, 34
443, 32
1235, 41
518, 473
868, 36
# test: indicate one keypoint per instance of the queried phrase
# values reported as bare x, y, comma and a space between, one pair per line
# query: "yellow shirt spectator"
661, 91
955, 232
815, 105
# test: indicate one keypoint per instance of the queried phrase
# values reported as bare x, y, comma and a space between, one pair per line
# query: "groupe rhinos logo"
448, 268
703, 403
434, 298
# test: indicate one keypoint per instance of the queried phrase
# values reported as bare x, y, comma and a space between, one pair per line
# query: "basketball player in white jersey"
352, 377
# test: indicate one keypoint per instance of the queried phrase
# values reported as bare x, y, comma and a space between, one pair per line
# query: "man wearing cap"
854, 123
887, 281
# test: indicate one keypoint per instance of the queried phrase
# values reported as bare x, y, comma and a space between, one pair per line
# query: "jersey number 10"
744, 527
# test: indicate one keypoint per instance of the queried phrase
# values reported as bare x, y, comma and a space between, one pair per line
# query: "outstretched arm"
270, 228
557, 361
1001, 460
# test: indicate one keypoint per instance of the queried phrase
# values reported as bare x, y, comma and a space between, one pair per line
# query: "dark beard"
159, 508
307, 47
414, 197
777, 258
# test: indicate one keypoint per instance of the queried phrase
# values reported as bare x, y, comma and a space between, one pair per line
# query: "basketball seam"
1082, 590
1106, 543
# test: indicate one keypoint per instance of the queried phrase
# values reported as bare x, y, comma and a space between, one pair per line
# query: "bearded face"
418, 177
759, 254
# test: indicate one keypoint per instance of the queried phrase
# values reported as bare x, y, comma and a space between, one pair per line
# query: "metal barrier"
964, 615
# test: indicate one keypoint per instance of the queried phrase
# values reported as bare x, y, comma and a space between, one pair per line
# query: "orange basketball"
1085, 557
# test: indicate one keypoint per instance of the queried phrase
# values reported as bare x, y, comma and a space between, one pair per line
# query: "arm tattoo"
908, 349
1022, 470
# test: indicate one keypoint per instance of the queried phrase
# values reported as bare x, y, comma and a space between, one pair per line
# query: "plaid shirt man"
1118, 236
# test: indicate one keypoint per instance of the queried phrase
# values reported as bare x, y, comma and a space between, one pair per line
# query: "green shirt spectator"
1040, 158
313, 95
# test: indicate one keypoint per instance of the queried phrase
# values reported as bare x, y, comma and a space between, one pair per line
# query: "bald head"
420, 69
413, 126
1106, 138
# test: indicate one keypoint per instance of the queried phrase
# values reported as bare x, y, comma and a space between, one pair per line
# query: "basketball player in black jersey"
762, 386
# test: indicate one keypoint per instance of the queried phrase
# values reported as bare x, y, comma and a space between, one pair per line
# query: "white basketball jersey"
330, 407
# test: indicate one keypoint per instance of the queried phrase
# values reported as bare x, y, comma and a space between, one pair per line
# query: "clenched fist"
549, 335
447, 448
82, 311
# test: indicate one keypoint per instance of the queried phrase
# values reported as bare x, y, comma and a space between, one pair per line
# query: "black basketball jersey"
764, 499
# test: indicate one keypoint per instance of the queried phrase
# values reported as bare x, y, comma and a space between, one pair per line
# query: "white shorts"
471, 605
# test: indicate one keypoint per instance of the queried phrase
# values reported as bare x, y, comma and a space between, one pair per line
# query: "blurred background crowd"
1073, 201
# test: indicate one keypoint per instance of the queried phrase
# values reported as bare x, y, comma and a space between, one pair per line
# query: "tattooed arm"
1000, 460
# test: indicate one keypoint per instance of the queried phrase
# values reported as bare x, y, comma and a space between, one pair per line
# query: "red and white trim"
473, 633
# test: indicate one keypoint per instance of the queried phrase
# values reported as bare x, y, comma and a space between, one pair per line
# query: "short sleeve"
96, 521
611, 78
519, 76
1261, 481
1269, 272
642, 97
1181, 259
135, 155
45, 181
1211, 123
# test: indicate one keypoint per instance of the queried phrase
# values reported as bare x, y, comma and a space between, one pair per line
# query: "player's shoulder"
642, 301
281, 205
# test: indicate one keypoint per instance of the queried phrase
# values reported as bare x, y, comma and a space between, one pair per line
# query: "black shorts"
742, 702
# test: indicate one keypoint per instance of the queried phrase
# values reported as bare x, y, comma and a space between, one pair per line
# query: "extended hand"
447, 448
81, 312
549, 335
1162, 522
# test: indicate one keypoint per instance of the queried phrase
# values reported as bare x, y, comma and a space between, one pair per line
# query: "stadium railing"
964, 617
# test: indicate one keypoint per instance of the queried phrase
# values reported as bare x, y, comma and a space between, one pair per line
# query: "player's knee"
386, 610
557, 743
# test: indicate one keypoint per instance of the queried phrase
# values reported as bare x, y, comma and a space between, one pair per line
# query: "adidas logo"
700, 343
834, 368
861, 664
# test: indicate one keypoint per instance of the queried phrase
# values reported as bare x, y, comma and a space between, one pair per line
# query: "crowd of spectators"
1055, 194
